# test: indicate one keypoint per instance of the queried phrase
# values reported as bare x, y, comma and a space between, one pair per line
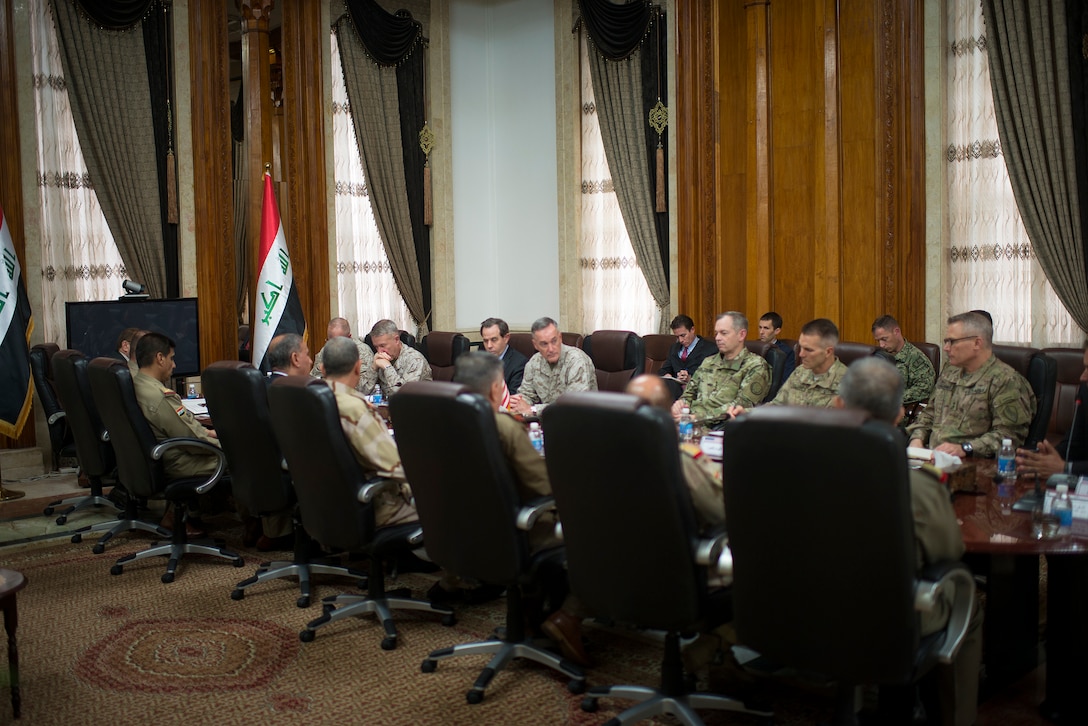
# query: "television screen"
93, 327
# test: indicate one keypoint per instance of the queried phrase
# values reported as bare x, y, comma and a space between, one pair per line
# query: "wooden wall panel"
212, 179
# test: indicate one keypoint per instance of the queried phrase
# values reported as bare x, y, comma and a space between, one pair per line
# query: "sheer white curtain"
614, 291
366, 289
80, 261
991, 262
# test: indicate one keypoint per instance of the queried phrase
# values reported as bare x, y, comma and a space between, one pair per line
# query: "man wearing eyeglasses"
978, 400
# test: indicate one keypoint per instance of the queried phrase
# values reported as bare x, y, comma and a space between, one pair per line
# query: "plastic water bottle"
536, 437
1063, 509
1006, 461
1006, 493
687, 426
192, 390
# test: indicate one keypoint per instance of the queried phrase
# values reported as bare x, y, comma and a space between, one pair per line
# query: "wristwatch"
968, 450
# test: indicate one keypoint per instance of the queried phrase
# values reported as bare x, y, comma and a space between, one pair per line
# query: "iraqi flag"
16, 325
278, 309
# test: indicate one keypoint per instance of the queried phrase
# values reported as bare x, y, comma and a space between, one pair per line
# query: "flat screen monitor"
93, 327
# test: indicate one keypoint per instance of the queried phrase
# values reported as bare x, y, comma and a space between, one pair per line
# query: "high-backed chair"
933, 352
333, 496
61, 442
237, 396
523, 343
471, 513
657, 350
405, 337
775, 358
618, 356
1069, 365
1041, 372
848, 351
441, 350
612, 489
95, 453
574, 340
140, 466
831, 587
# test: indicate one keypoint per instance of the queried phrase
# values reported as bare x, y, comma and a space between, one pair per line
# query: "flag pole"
6, 495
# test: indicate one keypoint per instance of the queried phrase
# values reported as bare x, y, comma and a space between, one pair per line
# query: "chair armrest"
55, 417
372, 487
416, 537
162, 447
709, 548
559, 530
104, 436
532, 510
940, 578
724, 567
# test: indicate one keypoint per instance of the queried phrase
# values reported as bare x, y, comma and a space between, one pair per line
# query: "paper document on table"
196, 406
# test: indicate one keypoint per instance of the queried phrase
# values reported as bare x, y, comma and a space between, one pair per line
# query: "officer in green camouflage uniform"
978, 400
816, 381
395, 364
733, 377
552, 371
914, 365
340, 328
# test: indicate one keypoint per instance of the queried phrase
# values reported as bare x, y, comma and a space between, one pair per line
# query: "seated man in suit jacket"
496, 338
688, 352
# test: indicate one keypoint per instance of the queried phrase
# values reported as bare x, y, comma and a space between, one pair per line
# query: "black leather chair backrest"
237, 397
628, 522
405, 337
1069, 364
326, 475
41, 369
848, 351
823, 558
441, 350
464, 490
130, 434
618, 356
657, 350
1041, 373
775, 358
96, 456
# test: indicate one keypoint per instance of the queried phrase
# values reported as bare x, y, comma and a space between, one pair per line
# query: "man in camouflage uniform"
341, 328
366, 432
816, 382
552, 371
978, 400
733, 377
914, 365
394, 364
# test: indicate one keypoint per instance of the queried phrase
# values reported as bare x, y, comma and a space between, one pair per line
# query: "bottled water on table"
687, 426
192, 390
1006, 493
536, 437
1006, 461
1062, 508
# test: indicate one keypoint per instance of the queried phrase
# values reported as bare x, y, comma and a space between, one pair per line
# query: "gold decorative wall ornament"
659, 117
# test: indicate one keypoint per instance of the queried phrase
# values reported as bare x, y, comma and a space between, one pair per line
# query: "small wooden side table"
11, 582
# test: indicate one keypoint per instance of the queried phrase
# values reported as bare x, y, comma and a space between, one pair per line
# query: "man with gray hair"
733, 377
288, 355
395, 364
874, 385
341, 328
365, 430
552, 371
978, 400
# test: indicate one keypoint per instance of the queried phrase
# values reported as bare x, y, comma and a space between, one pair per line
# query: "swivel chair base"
382, 606
78, 503
127, 522
178, 546
302, 570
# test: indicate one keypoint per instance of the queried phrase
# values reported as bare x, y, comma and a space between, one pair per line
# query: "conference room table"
1001, 547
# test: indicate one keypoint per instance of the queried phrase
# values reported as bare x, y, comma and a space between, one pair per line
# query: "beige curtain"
1029, 74
377, 133
106, 73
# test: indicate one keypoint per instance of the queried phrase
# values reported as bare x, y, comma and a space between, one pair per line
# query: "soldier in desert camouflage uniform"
978, 400
341, 328
553, 370
915, 367
395, 364
733, 377
816, 382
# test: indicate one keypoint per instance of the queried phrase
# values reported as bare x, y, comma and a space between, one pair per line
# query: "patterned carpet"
101, 648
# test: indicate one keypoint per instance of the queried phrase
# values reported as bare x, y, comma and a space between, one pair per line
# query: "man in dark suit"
496, 338
770, 326
687, 353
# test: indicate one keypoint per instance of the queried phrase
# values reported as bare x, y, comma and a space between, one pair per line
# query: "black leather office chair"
441, 349
628, 520
237, 396
775, 358
405, 337
333, 494
657, 350
95, 454
618, 356
61, 442
1069, 365
849, 351
1041, 372
471, 513
140, 466
824, 564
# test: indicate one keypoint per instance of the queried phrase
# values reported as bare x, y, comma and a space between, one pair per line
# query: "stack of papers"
196, 406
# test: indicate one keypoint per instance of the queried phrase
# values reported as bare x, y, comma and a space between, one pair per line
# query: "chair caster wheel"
239, 562
117, 569
428, 666
589, 704
77, 538
62, 519
167, 578
449, 619
389, 642
306, 636
474, 697
98, 549
47, 511
237, 594
303, 602
576, 686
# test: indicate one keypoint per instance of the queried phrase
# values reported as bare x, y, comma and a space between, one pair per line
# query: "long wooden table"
1001, 547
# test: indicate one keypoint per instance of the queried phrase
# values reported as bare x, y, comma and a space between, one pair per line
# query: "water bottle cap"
1006, 442
534, 426
1062, 489
686, 410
